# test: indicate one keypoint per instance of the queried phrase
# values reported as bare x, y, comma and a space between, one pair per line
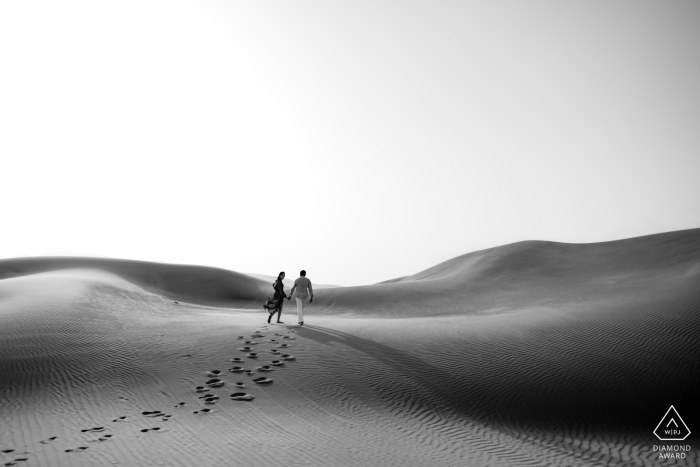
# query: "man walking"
303, 289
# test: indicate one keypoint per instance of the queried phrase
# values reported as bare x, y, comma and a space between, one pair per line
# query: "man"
303, 289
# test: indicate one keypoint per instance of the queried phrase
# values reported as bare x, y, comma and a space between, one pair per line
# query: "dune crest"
515, 277
505, 278
194, 284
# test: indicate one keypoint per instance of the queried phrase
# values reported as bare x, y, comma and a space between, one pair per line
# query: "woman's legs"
277, 311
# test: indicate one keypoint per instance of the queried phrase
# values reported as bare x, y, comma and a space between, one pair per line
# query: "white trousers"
300, 309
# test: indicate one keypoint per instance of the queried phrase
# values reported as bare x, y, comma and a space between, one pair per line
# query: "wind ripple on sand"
575, 378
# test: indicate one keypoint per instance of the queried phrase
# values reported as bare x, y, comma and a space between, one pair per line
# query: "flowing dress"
275, 304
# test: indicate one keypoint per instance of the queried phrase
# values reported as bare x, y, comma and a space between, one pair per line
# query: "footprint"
289, 358
262, 380
93, 430
272, 340
146, 430
241, 337
213, 373
241, 396
154, 413
237, 360
180, 404
265, 368
248, 372
251, 343
284, 346
278, 334
277, 363
47, 440
7, 451
236, 369
120, 419
211, 400
245, 349
204, 411
214, 383
239, 385
274, 351
78, 449
252, 355
201, 389
289, 337
101, 438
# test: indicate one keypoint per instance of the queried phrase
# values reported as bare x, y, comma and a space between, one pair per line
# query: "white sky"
360, 140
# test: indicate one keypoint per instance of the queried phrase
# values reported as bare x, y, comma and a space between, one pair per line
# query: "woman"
275, 305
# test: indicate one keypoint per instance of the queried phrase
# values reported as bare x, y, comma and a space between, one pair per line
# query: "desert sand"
533, 353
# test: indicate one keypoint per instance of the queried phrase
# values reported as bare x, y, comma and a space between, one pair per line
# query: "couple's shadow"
426, 376
478, 392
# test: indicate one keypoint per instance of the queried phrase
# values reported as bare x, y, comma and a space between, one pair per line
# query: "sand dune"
195, 284
534, 274
534, 353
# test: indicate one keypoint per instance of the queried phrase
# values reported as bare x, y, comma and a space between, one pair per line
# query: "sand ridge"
500, 279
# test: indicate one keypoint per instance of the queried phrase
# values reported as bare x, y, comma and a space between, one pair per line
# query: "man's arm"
311, 290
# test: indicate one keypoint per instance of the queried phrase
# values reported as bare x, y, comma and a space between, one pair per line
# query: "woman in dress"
275, 305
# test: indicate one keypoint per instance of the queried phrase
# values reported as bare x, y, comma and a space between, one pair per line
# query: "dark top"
279, 290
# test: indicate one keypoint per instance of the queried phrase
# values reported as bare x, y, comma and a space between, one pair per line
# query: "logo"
672, 427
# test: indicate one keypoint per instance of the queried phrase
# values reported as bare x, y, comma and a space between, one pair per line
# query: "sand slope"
196, 284
534, 274
535, 353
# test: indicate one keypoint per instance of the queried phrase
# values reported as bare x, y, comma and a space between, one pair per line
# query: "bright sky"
359, 140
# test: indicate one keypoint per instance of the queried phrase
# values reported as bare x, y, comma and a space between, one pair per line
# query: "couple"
301, 291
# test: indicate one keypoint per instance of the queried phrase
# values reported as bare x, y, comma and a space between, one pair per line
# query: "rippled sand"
574, 360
